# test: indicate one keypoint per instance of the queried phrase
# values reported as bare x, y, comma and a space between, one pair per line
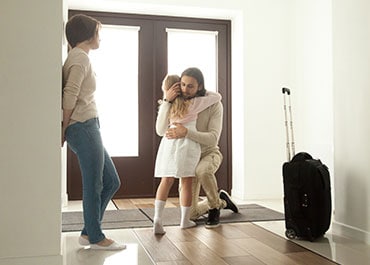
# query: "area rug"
136, 218
247, 213
113, 219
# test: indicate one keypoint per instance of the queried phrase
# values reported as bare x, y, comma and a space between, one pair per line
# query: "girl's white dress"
179, 157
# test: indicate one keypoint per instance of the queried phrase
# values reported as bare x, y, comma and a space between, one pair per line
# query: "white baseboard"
64, 200
237, 194
242, 195
351, 232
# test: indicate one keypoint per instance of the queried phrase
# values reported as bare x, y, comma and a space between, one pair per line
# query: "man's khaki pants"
205, 178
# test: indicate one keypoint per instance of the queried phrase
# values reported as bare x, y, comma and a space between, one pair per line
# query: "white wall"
312, 71
30, 86
293, 49
268, 43
64, 149
351, 120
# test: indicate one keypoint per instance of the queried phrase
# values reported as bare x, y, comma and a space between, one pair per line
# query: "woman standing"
80, 129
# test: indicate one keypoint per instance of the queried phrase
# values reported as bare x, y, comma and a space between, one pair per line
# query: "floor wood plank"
215, 241
174, 263
230, 231
175, 234
123, 204
308, 258
264, 253
268, 238
243, 260
199, 254
160, 248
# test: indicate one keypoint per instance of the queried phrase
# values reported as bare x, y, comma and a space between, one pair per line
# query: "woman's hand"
63, 135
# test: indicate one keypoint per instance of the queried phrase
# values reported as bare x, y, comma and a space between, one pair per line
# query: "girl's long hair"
179, 107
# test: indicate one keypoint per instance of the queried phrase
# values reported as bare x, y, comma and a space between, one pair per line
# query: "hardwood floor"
233, 244
143, 203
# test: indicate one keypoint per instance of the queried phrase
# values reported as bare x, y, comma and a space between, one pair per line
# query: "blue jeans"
100, 180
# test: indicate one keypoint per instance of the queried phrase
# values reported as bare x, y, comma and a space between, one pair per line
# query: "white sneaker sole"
212, 226
112, 247
83, 241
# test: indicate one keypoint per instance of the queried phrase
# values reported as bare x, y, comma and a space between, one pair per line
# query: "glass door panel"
193, 48
116, 68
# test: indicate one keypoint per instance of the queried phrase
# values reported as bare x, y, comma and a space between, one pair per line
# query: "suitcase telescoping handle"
286, 91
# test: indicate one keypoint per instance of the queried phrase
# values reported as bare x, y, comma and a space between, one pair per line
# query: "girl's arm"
162, 122
163, 117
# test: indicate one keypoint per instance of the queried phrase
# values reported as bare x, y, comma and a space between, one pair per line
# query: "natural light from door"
116, 67
193, 48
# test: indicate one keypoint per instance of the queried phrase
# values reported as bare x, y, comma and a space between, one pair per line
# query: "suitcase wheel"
290, 233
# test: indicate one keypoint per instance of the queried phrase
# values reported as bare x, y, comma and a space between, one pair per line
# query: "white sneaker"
83, 241
114, 246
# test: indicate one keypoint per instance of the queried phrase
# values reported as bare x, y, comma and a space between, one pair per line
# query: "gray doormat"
136, 218
247, 213
113, 219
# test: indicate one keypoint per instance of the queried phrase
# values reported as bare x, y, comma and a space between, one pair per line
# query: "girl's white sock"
185, 218
157, 222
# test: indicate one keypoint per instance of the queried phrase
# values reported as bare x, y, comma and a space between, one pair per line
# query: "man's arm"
209, 127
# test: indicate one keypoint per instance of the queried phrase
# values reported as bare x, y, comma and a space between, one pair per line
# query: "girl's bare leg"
160, 201
164, 188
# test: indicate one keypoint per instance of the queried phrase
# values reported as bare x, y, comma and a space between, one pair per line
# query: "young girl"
177, 158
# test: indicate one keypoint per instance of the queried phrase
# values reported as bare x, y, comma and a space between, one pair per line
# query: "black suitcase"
307, 195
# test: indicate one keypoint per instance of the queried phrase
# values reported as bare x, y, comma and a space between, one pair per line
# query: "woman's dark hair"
80, 28
197, 75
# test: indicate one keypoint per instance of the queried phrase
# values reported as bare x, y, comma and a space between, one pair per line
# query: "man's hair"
197, 75
80, 28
